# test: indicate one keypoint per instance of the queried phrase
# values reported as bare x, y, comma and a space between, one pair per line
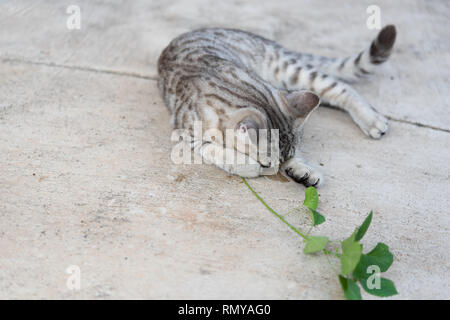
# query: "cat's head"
254, 137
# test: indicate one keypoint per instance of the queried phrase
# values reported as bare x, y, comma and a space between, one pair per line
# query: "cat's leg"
342, 95
337, 93
294, 71
228, 159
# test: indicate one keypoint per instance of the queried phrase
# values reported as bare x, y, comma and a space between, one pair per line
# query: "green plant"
355, 266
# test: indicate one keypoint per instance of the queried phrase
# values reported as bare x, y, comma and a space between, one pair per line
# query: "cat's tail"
365, 62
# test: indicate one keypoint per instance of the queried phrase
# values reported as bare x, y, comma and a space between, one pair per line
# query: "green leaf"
351, 289
360, 271
311, 198
316, 217
347, 242
379, 256
363, 228
351, 253
386, 287
315, 244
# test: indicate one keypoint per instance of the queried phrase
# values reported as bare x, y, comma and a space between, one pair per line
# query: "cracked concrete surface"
86, 177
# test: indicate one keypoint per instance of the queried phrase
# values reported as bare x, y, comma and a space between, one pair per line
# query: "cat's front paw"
373, 124
302, 173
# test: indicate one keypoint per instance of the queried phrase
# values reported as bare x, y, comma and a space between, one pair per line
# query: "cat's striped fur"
232, 79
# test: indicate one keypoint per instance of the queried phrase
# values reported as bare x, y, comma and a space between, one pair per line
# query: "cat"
233, 79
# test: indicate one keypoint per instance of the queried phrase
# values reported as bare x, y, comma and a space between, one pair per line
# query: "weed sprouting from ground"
356, 268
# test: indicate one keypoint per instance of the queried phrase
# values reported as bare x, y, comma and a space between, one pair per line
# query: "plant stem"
273, 211
329, 262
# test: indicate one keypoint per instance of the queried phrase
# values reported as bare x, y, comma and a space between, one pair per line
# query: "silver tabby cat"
232, 79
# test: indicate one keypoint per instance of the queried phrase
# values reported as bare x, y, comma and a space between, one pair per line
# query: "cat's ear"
246, 122
300, 104
249, 126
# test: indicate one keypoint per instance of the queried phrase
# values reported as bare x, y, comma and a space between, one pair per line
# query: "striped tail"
354, 67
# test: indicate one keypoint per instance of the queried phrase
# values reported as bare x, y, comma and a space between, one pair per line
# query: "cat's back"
212, 58
205, 48
213, 69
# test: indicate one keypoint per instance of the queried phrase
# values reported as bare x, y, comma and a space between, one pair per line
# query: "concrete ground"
86, 178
